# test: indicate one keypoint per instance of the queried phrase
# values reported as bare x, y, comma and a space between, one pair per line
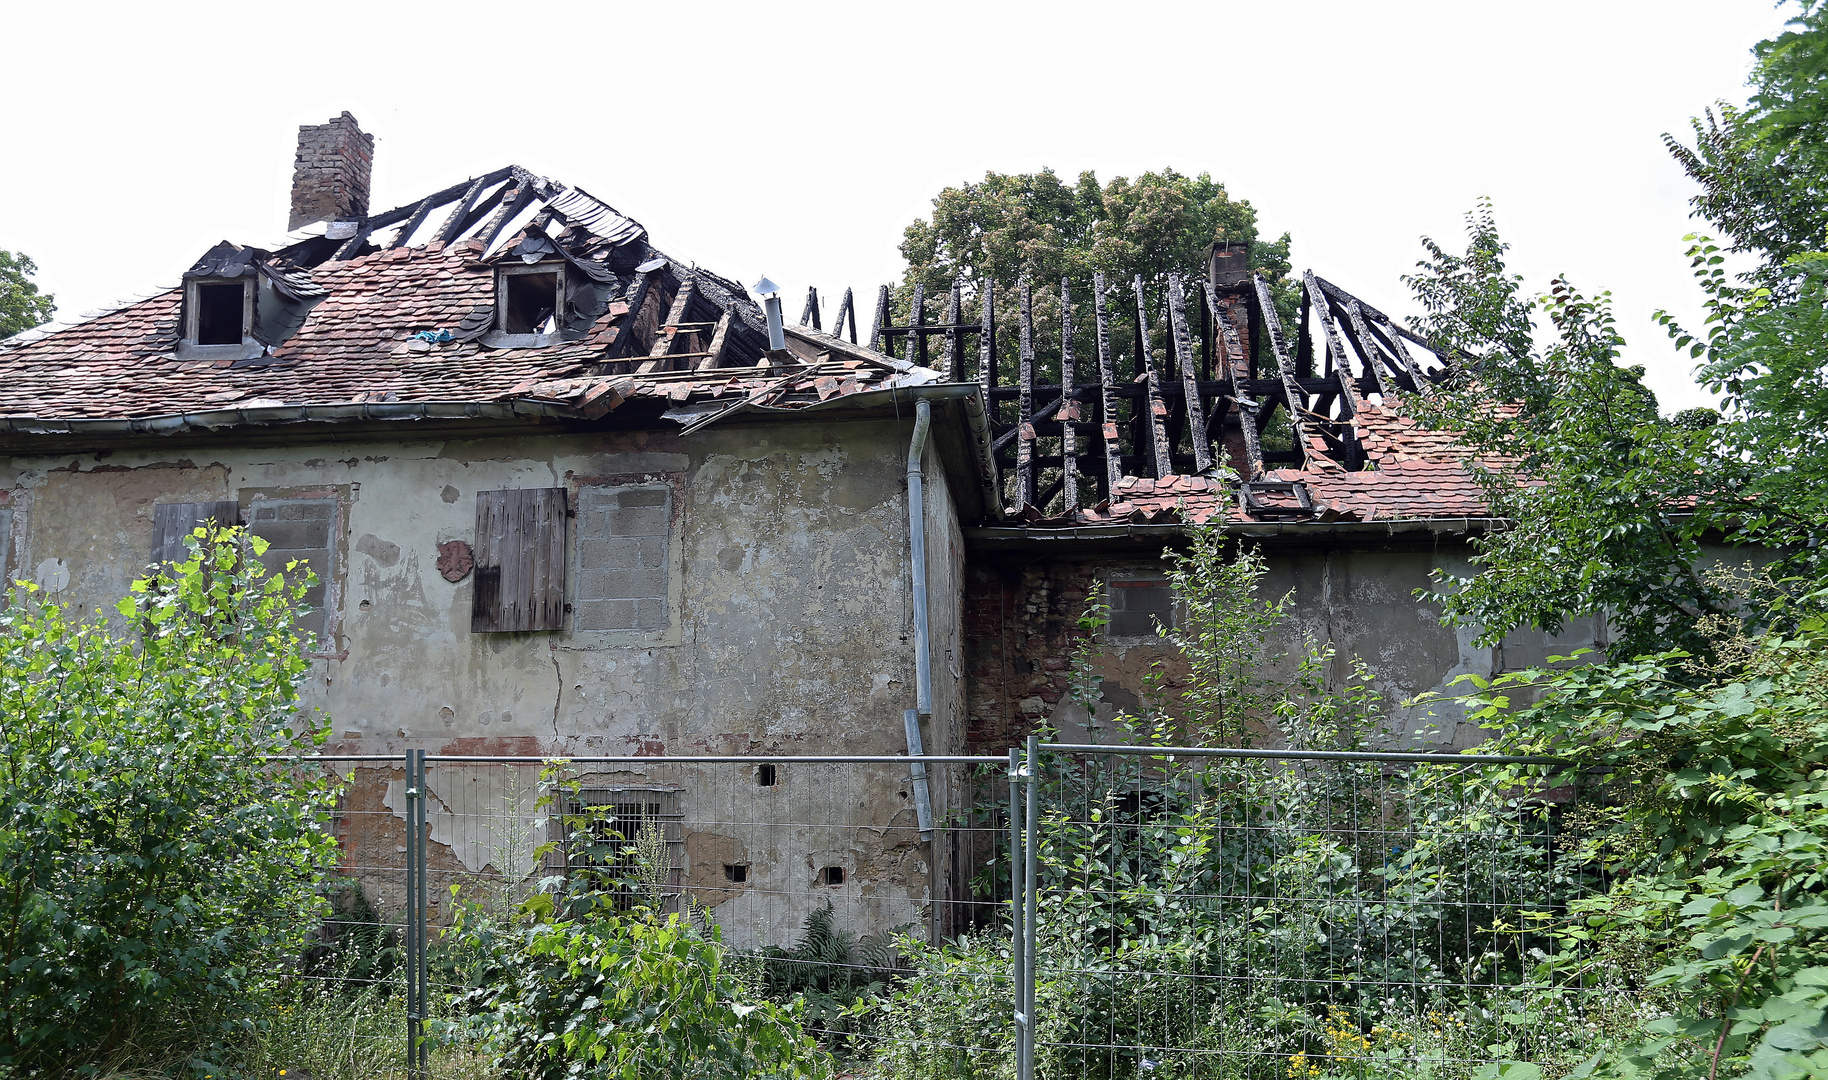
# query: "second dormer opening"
221, 311
528, 298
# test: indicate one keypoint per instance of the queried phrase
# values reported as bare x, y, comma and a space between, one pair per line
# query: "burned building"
568, 495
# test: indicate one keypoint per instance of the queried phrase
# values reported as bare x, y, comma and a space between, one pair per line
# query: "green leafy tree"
1600, 493
1036, 224
22, 306
1706, 804
1763, 168
158, 868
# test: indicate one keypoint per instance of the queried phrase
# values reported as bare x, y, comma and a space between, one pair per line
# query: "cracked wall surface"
788, 615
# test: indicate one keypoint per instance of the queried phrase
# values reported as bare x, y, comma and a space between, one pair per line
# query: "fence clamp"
1022, 1019
414, 793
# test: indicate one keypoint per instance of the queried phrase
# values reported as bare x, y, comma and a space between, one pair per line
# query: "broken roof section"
1095, 430
399, 308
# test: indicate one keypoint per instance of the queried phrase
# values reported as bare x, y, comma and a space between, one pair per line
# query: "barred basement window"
637, 842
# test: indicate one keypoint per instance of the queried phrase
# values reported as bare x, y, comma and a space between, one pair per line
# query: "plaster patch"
486, 816
53, 575
382, 551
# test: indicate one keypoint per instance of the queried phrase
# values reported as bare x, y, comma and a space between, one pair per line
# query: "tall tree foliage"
1610, 503
1763, 168
22, 306
1036, 224
1599, 490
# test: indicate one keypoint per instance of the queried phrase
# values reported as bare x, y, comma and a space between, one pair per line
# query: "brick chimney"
330, 176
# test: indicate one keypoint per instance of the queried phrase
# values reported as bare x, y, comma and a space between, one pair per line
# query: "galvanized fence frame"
416, 796
1026, 768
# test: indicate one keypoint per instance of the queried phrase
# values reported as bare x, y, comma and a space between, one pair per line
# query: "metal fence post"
1031, 890
1018, 894
417, 1051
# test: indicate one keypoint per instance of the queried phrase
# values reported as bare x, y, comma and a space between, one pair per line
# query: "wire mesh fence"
1067, 911
814, 870
1289, 917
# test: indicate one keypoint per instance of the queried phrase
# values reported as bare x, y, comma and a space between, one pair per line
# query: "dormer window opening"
221, 312
528, 298
221, 307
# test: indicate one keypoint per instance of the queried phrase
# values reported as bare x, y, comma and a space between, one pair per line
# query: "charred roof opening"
529, 299
222, 310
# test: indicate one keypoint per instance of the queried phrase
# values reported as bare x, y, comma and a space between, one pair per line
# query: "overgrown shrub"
592, 980
157, 869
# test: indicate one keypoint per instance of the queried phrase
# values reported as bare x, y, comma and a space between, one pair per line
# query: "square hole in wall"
736, 872
832, 875
764, 775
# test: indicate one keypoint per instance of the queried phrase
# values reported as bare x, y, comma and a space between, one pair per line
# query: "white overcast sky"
798, 139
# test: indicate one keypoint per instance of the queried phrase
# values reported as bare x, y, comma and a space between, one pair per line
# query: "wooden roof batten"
1212, 376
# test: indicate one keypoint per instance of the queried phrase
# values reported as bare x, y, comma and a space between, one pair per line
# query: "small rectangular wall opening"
736, 872
832, 875
764, 775
1137, 604
531, 302
220, 307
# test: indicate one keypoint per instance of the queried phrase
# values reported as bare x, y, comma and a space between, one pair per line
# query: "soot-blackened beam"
1407, 373
1107, 402
987, 346
714, 352
1069, 406
1379, 369
1190, 389
1025, 403
1161, 455
523, 194
412, 224
668, 333
847, 311
809, 316
917, 311
453, 224
1337, 359
878, 339
1236, 367
1278, 348
1304, 341
955, 342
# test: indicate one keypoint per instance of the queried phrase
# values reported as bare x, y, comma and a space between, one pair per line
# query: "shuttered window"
172, 522
520, 561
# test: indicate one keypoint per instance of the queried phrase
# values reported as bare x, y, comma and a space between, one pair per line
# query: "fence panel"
810, 868
1288, 918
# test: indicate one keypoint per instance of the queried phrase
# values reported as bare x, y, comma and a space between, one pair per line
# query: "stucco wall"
1021, 611
789, 623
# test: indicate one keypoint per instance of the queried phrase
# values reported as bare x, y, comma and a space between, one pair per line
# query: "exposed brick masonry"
330, 176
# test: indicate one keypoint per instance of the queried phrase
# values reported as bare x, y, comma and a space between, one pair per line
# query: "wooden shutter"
172, 522
520, 561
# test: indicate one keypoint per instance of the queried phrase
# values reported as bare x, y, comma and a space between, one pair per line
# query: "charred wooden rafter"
1167, 412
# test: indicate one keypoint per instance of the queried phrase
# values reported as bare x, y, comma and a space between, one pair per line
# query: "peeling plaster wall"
1020, 615
790, 619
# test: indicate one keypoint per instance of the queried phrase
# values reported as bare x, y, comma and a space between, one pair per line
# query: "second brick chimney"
331, 174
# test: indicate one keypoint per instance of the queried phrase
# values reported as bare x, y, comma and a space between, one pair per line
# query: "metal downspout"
923, 650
